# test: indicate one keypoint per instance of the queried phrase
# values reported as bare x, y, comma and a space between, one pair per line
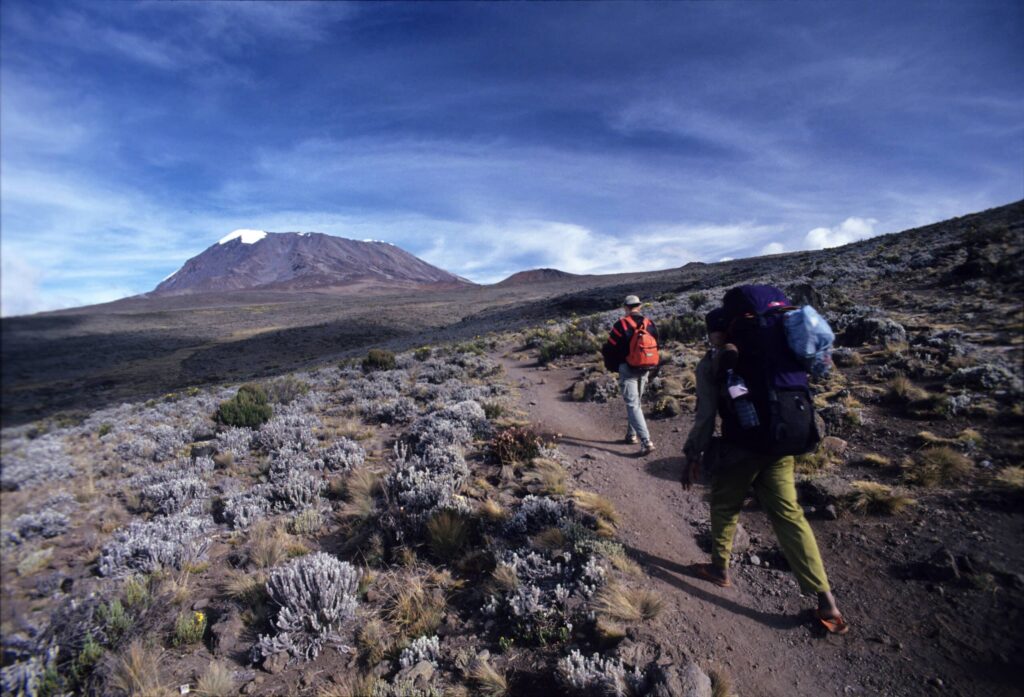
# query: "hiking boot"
647, 448
630, 439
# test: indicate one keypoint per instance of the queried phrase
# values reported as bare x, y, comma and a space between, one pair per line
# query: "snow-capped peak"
247, 236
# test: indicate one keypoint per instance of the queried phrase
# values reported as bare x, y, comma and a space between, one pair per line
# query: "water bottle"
746, 414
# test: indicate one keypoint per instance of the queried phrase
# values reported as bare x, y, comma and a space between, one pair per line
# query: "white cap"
631, 300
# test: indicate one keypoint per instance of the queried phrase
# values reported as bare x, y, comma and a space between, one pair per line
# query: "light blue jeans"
633, 382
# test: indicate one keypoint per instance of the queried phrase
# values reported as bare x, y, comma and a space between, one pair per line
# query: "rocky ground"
463, 521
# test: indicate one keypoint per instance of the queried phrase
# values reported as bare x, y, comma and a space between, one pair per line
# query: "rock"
419, 675
674, 681
276, 663
226, 633
755, 560
740, 540
636, 654
830, 512
833, 446
873, 330
822, 491
987, 377
201, 604
578, 391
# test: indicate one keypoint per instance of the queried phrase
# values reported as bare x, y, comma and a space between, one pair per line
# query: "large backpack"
775, 377
643, 347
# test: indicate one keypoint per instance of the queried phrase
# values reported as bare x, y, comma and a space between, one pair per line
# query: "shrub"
189, 628
235, 441
248, 408
571, 342
315, 595
697, 300
307, 522
514, 445
147, 546
686, 328
378, 359
597, 675
46, 524
116, 621
174, 495
421, 649
35, 462
286, 389
422, 353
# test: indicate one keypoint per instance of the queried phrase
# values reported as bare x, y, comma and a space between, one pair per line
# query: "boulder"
680, 681
873, 330
226, 634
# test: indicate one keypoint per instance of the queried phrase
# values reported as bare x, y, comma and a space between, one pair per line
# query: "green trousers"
772, 480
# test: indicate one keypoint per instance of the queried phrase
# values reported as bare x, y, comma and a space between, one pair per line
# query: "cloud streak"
485, 138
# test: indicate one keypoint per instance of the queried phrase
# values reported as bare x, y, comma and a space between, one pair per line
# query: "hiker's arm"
707, 410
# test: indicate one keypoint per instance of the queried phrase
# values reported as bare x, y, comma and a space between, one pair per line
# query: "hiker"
632, 352
758, 373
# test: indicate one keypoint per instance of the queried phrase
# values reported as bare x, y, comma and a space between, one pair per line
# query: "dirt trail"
767, 645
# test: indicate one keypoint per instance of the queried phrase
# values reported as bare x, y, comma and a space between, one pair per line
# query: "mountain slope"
536, 276
253, 259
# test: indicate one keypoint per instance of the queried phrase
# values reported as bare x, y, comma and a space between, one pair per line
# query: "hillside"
536, 276
461, 516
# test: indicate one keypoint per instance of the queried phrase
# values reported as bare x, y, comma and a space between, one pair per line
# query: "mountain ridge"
291, 261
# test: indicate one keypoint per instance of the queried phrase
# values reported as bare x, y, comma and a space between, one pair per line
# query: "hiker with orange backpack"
758, 384
632, 352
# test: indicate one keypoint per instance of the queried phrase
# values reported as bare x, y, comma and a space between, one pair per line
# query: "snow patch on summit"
247, 236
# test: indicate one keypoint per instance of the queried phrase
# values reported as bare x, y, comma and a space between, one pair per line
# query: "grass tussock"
412, 603
374, 640
550, 539
351, 685
610, 631
361, 488
447, 534
877, 499
1011, 478
486, 679
492, 510
216, 681
504, 578
721, 683
248, 588
938, 465
929, 438
902, 390
873, 460
268, 545
629, 605
545, 476
136, 671
597, 505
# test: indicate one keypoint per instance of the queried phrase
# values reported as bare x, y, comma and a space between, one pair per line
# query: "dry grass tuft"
938, 465
874, 460
352, 685
361, 488
628, 605
545, 476
268, 545
245, 587
492, 510
374, 641
929, 438
135, 671
447, 534
217, 681
1011, 478
902, 390
597, 505
413, 604
721, 683
610, 632
486, 679
551, 539
877, 499
504, 577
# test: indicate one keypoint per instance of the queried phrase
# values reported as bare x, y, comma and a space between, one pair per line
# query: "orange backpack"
643, 349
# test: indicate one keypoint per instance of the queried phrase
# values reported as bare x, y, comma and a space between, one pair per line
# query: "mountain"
258, 260
536, 276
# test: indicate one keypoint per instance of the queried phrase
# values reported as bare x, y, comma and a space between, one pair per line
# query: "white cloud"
850, 230
19, 288
773, 248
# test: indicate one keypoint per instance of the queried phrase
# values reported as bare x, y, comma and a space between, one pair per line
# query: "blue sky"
489, 138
